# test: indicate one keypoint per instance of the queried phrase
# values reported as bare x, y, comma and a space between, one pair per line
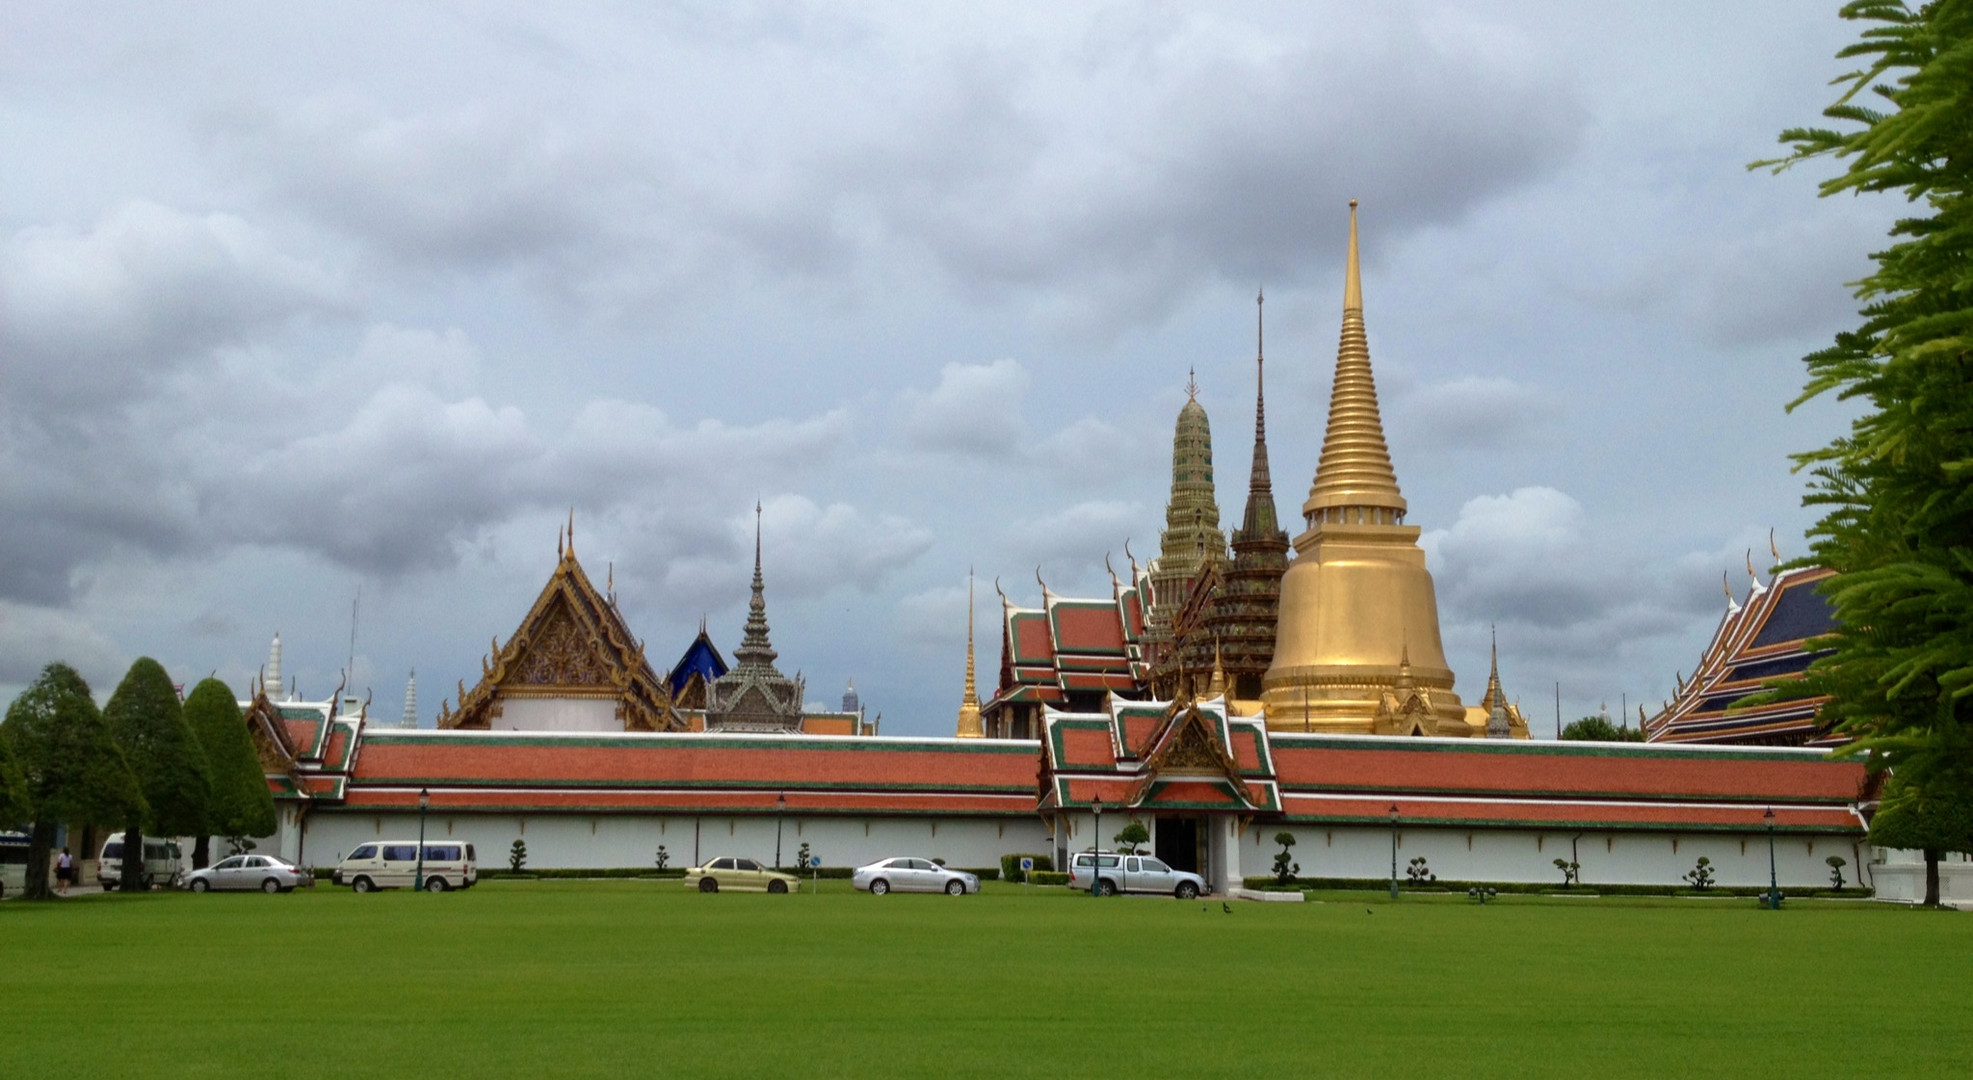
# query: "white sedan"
263, 872
906, 874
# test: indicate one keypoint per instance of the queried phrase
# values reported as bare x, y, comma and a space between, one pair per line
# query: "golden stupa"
1357, 648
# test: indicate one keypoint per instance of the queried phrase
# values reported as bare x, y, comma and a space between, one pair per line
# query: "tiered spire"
970, 725
270, 681
1354, 478
755, 652
1259, 519
410, 718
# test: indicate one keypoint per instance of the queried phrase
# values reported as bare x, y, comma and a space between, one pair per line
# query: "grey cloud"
1783, 283
1477, 412
92, 319
32, 635
1131, 158
974, 410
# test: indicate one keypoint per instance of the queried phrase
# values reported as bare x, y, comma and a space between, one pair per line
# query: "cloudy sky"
369, 298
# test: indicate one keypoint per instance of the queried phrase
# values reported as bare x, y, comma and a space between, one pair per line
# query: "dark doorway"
1178, 843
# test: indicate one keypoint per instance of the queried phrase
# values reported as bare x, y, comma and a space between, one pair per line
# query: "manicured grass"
633, 978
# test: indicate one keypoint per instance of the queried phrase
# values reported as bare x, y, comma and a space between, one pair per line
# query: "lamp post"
780, 809
1773, 885
1394, 851
1095, 838
424, 803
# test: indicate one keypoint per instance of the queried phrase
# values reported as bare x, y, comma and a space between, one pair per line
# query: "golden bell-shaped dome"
1357, 646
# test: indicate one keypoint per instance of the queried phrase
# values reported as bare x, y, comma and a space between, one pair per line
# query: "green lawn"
631, 978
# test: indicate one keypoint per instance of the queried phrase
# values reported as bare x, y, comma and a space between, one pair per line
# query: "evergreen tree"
1934, 818
1897, 489
1600, 729
240, 804
150, 726
74, 771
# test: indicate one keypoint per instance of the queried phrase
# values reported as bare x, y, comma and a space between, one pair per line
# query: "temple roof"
1765, 638
701, 658
572, 643
1181, 755
1071, 644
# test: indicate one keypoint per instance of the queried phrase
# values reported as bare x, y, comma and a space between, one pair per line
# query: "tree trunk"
40, 845
1931, 877
131, 877
202, 852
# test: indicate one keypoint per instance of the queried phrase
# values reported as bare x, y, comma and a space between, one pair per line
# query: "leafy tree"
664, 857
1934, 817
239, 804
1600, 729
1897, 488
1133, 835
68, 757
1571, 871
150, 726
1419, 873
1836, 865
1285, 868
517, 855
13, 787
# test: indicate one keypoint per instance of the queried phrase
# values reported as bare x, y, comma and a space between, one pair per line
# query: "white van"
13, 864
162, 862
393, 864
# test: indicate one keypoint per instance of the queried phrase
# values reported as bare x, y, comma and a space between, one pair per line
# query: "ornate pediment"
562, 656
572, 643
1189, 746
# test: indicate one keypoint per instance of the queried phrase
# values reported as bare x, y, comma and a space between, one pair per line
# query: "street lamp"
424, 803
1773, 886
1394, 851
780, 808
1095, 807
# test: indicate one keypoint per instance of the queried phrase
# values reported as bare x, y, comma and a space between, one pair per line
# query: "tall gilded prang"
1357, 646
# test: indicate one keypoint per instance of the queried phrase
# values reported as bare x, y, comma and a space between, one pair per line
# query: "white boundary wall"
605, 841
1610, 858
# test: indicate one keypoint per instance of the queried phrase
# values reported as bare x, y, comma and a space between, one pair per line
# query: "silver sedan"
263, 872
905, 874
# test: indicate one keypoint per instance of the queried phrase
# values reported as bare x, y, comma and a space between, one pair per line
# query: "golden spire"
1217, 687
1355, 472
970, 725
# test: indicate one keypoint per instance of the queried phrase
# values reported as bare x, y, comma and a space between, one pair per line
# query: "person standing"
64, 872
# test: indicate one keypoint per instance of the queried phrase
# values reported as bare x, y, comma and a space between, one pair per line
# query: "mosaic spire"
410, 717
1259, 519
1354, 477
1192, 538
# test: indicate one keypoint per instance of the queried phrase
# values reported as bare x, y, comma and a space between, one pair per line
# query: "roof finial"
1352, 271
571, 532
558, 545
1772, 550
1192, 383
757, 537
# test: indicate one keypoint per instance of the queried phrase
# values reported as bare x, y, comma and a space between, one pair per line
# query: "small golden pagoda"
1357, 647
970, 725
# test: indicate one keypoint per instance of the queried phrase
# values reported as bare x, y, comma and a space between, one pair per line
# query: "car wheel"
879, 887
707, 884
200, 885
1187, 891
436, 884
955, 888
1106, 887
270, 886
361, 884
777, 886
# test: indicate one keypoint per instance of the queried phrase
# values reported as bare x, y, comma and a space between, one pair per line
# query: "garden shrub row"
1268, 884
1010, 865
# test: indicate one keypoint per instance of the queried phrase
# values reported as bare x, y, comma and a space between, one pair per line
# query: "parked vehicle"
913, 875
1117, 872
393, 864
162, 865
734, 872
264, 872
13, 863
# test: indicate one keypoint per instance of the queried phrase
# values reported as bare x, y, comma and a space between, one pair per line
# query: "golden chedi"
1356, 647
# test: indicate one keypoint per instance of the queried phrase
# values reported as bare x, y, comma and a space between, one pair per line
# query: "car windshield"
367, 851
113, 851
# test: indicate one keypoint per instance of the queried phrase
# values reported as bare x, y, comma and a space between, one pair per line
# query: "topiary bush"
1010, 865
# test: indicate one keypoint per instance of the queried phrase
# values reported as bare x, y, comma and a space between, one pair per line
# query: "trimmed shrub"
1010, 865
1047, 877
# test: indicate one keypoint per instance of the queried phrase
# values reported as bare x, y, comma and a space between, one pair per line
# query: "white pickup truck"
1117, 872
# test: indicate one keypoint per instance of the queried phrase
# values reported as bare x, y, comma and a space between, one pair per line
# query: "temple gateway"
1237, 687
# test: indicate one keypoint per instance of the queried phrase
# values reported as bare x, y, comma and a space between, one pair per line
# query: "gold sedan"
740, 874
